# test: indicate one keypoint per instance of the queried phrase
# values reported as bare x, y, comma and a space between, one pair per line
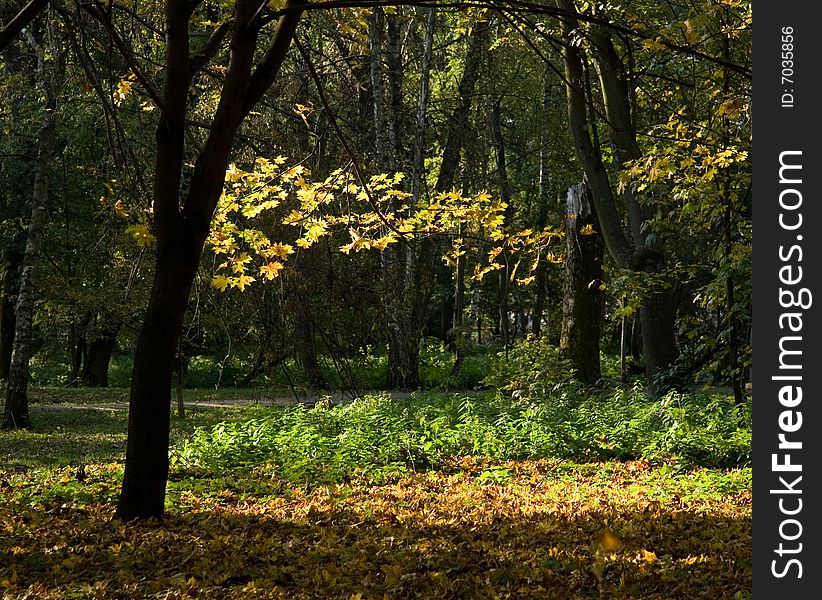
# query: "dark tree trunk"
656, 317
583, 300
403, 360
12, 264
182, 230
146, 470
306, 348
98, 359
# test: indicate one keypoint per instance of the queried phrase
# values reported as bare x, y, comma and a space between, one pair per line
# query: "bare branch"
210, 48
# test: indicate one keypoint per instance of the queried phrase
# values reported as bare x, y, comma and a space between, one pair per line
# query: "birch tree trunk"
16, 412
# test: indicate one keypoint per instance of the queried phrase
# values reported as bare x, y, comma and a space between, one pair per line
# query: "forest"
375, 299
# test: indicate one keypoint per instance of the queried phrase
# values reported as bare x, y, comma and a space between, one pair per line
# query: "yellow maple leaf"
120, 209
271, 270
242, 281
221, 282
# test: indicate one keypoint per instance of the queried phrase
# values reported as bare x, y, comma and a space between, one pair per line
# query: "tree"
183, 207
26, 15
583, 300
50, 71
637, 250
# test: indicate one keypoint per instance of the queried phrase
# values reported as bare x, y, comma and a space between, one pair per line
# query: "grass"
500, 523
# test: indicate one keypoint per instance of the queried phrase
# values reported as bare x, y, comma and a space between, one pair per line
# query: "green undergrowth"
379, 436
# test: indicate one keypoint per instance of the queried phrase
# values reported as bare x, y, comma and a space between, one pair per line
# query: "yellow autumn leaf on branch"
221, 282
242, 281
271, 270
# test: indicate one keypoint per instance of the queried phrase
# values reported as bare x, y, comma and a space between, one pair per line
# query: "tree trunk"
656, 312
583, 300
306, 348
146, 469
403, 359
12, 264
181, 230
98, 358
505, 196
16, 413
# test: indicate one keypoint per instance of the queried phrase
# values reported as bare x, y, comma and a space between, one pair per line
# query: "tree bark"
583, 300
12, 265
656, 311
181, 231
98, 358
16, 412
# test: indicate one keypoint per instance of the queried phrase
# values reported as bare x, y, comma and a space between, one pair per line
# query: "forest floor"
475, 528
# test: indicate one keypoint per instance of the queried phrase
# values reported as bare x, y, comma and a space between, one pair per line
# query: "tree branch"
19, 22
209, 49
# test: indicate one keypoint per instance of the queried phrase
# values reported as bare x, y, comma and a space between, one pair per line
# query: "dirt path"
308, 400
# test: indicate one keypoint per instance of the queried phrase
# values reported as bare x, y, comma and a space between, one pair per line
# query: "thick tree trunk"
583, 300
16, 412
98, 358
403, 359
146, 469
181, 232
306, 348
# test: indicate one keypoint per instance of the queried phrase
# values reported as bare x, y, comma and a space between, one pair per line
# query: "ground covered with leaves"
467, 527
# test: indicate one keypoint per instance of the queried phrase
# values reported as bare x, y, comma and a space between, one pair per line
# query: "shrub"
532, 367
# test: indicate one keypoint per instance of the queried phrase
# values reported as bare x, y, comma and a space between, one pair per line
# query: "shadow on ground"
326, 545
